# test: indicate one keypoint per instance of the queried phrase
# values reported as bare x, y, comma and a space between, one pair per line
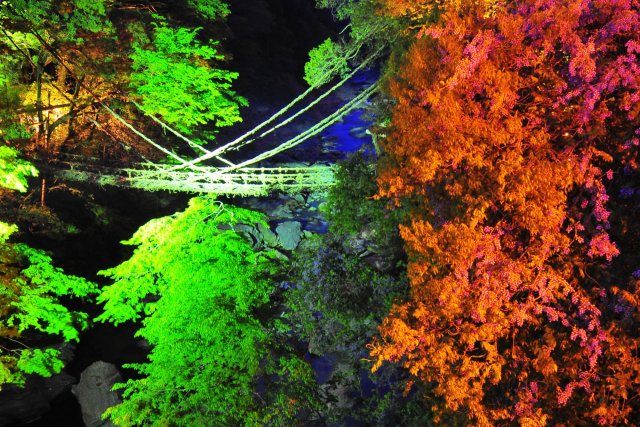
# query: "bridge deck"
244, 182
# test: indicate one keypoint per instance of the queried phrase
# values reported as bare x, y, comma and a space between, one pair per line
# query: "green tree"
173, 79
64, 18
76, 65
210, 9
14, 171
31, 293
326, 281
352, 207
202, 293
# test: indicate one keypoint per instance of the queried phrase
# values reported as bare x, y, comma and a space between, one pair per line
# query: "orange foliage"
503, 127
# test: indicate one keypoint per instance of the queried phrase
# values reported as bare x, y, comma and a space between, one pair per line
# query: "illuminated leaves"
31, 289
504, 124
174, 80
69, 16
14, 171
198, 286
30, 292
43, 363
210, 9
325, 62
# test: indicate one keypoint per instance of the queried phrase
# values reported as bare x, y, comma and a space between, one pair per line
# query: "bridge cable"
240, 141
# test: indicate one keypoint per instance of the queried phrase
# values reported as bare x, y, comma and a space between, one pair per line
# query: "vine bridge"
243, 182
193, 175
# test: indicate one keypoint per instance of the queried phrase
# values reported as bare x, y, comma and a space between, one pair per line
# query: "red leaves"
601, 246
504, 124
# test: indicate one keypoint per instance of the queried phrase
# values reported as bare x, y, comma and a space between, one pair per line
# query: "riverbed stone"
289, 234
250, 232
269, 238
94, 392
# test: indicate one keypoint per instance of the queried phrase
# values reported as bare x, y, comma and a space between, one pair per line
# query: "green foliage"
325, 62
351, 206
367, 36
88, 15
14, 171
36, 12
366, 25
30, 292
328, 280
66, 18
6, 230
43, 363
38, 307
10, 128
336, 304
31, 289
197, 285
173, 79
210, 9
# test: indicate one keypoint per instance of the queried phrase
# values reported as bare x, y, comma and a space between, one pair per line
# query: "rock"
280, 212
299, 198
316, 198
251, 233
94, 392
289, 234
279, 256
355, 245
381, 263
269, 238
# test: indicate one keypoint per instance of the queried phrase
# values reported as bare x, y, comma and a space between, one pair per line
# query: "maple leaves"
504, 123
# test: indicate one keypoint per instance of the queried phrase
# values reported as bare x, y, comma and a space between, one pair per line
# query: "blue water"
339, 140
349, 134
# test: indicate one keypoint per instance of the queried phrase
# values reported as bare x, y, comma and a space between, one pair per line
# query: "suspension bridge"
243, 182
198, 175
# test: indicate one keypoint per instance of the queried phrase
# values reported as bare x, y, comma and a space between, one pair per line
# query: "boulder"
94, 392
289, 234
251, 233
269, 238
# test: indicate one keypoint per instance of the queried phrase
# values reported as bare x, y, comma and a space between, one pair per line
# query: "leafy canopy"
66, 18
30, 292
507, 130
325, 62
14, 171
197, 285
210, 9
173, 78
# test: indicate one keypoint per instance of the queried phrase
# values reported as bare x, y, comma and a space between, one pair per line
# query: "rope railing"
239, 179
309, 133
247, 182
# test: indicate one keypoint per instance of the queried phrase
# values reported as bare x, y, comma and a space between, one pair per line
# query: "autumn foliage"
516, 125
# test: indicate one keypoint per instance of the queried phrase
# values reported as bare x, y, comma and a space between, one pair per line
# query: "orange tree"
513, 124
